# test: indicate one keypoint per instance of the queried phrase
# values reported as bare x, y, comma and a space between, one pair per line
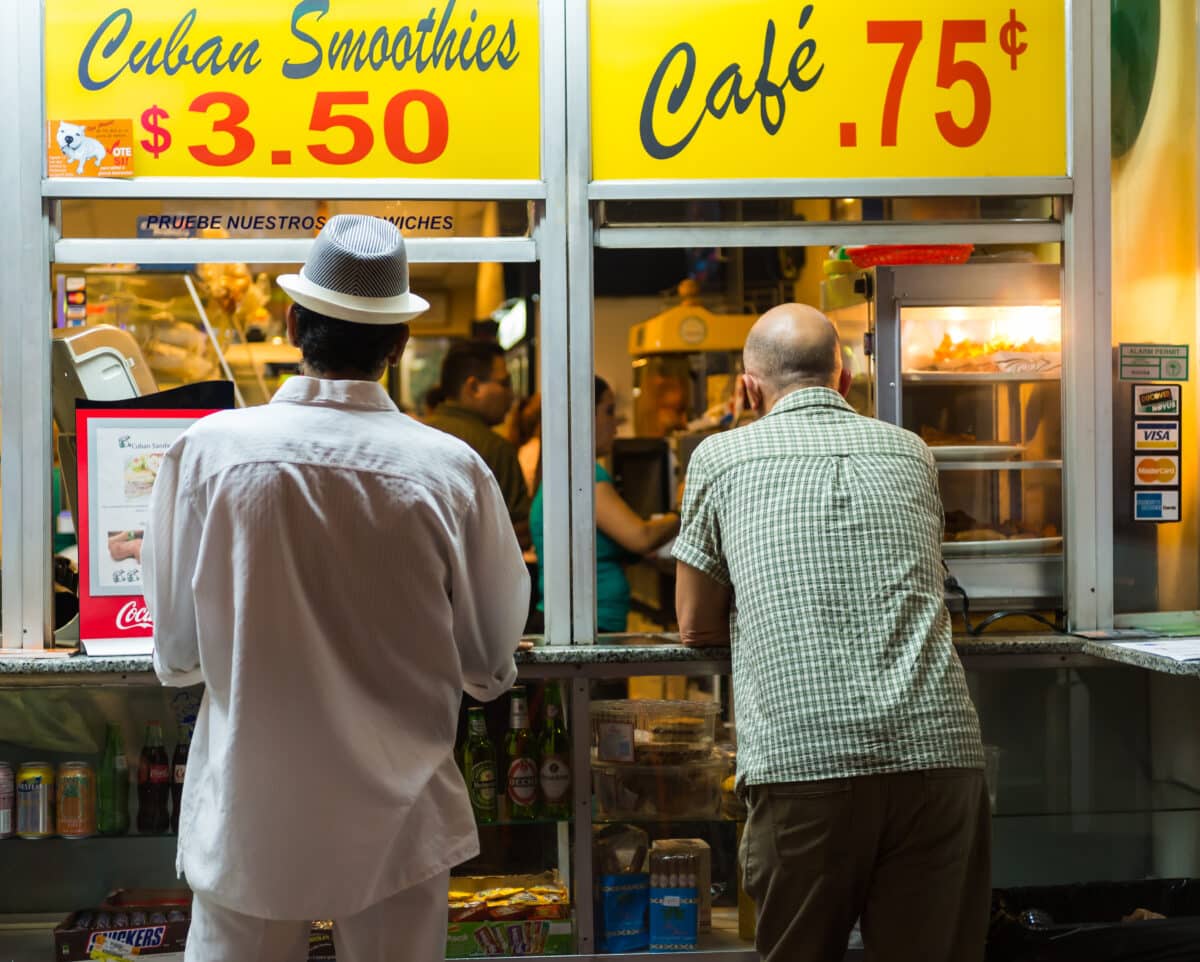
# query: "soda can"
8, 801
35, 800
76, 800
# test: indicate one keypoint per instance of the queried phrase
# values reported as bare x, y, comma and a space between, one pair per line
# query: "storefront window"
967, 355
181, 323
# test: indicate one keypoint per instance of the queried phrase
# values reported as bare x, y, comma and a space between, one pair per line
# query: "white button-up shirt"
336, 574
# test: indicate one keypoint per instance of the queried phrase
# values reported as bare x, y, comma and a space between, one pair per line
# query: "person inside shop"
859, 752
478, 393
622, 535
526, 434
337, 574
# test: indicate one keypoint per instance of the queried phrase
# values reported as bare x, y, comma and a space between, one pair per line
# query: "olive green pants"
908, 853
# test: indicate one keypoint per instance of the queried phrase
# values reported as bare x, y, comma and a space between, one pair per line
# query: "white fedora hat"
356, 271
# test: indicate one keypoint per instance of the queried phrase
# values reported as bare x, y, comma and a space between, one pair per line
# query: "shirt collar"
368, 395
456, 410
811, 397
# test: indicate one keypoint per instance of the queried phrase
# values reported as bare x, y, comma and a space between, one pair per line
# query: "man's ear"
844, 380
401, 344
754, 393
290, 320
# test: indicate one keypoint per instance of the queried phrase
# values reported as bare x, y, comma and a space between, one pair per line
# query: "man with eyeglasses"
478, 396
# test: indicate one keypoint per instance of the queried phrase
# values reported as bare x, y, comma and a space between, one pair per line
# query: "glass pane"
981, 387
664, 808
1154, 301
976, 372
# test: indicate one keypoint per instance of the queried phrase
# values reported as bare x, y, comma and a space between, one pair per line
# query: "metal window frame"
25, 364
1087, 334
582, 453
828, 187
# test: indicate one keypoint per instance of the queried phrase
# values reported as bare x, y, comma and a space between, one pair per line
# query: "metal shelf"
976, 377
1049, 465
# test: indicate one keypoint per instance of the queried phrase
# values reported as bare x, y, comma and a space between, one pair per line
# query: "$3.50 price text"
407, 116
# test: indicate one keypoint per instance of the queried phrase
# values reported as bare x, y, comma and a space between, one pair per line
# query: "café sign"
719, 89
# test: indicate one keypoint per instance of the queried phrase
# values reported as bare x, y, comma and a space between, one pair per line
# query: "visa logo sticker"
1156, 506
1156, 471
1156, 435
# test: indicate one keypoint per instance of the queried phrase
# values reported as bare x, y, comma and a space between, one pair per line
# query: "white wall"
614, 316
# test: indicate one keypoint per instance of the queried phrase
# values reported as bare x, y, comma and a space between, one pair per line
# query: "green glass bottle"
554, 750
520, 762
479, 767
112, 802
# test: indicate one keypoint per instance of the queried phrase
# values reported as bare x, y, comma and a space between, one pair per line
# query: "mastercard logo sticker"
1157, 470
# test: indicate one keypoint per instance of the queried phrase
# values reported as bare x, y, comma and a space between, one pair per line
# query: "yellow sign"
305, 88
719, 89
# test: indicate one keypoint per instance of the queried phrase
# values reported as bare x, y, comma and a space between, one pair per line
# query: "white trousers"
410, 926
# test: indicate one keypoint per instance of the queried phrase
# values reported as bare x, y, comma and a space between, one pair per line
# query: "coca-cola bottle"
154, 783
178, 770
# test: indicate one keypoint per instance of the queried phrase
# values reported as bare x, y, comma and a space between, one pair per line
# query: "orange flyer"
89, 148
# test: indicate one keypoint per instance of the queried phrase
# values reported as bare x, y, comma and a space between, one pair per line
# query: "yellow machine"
684, 364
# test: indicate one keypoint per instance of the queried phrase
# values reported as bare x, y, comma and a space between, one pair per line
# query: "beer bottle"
178, 771
479, 767
521, 780
154, 783
112, 816
554, 749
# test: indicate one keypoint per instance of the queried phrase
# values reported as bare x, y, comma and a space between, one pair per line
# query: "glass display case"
970, 358
649, 801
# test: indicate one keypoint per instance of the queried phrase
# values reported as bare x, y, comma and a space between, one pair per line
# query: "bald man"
811, 543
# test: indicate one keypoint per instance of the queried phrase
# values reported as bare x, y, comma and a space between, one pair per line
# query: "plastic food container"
645, 731
874, 255
624, 790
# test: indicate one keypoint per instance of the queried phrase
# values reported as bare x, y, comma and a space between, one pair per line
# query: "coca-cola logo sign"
134, 615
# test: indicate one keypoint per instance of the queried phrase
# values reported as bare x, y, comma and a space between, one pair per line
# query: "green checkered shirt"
828, 527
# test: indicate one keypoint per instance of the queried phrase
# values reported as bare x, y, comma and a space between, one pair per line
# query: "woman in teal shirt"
621, 534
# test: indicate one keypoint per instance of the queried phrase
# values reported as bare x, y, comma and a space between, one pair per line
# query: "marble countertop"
618, 649
1141, 659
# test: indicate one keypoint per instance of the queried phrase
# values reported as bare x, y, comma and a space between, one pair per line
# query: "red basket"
877, 255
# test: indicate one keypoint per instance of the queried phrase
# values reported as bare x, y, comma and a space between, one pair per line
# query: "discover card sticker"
1156, 399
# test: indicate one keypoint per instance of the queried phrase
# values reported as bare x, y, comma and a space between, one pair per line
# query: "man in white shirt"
337, 574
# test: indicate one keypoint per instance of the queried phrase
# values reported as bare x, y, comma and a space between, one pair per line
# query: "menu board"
120, 452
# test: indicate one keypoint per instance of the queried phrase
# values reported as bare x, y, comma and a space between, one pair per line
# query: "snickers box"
509, 915
127, 924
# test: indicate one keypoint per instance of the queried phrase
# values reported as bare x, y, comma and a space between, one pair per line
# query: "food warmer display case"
969, 357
